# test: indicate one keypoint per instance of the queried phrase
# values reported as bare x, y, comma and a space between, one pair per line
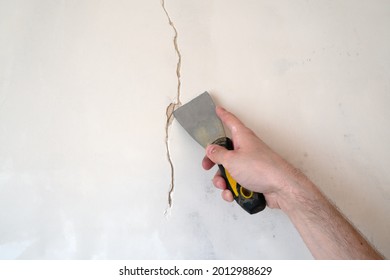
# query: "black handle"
250, 201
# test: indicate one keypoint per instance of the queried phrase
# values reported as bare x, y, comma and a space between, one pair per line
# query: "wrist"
294, 191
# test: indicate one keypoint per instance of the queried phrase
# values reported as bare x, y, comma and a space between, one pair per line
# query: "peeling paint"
172, 107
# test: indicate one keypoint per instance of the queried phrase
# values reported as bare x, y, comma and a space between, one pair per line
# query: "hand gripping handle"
250, 201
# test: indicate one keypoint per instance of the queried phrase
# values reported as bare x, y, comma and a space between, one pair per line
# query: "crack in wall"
172, 107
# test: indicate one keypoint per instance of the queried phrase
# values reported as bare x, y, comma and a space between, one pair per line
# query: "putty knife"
199, 119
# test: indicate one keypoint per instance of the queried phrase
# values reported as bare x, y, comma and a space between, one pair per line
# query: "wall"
84, 86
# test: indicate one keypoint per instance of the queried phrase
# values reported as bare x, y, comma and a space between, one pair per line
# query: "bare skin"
326, 232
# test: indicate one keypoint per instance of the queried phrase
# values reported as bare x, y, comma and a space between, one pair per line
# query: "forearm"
323, 228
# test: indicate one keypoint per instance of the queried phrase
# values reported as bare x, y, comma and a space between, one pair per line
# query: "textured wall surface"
84, 87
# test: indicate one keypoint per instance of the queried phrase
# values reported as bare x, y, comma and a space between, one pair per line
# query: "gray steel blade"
199, 119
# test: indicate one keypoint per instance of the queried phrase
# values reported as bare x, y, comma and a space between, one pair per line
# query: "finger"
216, 154
230, 120
219, 182
207, 164
227, 195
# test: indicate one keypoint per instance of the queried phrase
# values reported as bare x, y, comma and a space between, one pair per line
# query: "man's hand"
252, 163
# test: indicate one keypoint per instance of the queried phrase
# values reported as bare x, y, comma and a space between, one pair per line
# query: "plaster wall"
84, 86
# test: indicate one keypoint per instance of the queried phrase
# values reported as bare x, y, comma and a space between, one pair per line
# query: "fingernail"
211, 149
221, 109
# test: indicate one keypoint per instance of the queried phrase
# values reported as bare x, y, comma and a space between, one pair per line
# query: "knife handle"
250, 201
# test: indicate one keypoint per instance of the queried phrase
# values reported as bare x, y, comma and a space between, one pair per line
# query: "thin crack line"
172, 106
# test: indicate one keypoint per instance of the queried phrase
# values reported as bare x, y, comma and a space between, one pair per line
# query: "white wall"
83, 90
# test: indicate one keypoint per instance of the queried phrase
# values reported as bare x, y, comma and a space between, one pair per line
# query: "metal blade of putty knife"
199, 119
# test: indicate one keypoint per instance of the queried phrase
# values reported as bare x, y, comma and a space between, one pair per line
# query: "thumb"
216, 153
